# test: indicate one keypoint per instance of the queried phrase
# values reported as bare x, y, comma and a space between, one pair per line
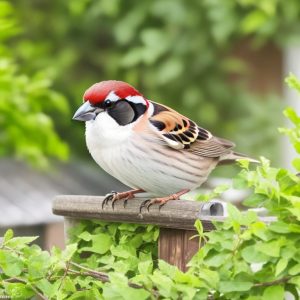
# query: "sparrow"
146, 145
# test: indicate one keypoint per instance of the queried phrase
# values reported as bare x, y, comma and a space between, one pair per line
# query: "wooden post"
176, 247
176, 220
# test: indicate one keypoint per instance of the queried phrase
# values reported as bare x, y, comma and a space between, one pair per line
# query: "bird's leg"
114, 196
163, 200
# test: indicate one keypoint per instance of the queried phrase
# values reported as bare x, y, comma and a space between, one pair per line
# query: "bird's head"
118, 99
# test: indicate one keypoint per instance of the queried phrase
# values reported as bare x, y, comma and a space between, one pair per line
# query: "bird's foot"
114, 196
161, 201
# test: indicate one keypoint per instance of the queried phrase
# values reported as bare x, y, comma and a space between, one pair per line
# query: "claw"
113, 201
144, 204
161, 205
114, 196
108, 197
125, 201
149, 204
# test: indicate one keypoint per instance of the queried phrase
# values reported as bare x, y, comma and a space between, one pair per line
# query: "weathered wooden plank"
175, 214
176, 220
176, 247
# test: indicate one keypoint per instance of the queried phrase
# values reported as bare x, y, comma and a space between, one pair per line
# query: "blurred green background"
190, 55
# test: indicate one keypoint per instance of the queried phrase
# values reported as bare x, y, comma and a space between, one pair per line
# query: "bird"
148, 146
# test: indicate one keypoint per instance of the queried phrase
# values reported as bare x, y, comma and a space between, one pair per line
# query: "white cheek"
104, 131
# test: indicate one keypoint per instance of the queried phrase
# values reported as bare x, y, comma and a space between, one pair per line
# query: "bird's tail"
231, 157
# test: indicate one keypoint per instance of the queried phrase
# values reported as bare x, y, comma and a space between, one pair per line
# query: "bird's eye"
108, 103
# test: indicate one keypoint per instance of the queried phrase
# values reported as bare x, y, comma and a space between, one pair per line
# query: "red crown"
99, 91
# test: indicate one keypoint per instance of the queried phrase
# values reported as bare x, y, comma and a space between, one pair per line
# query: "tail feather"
231, 157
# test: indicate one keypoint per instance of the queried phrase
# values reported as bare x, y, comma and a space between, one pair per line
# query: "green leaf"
69, 251
38, 265
296, 212
164, 283
279, 227
251, 255
285, 180
129, 227
211, 277
244, 163
167, 269
292, 115
8, 236
294, 228
273, 292
260, 230
145, 267
186, 291
86, 236
293, 82
296, 163
123, 251
118, 289
221, 188
189, 279
111, 291
199, 227
296, 281
235, 286
18, 291
295, 270
255, 200
47, 288
289, 251
234, 213
69, 284
270, 248
10, 263
20, 242
216, 260
101, 243
281, 265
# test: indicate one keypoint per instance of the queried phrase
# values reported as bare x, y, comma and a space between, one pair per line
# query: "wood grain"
180, 214
176, 247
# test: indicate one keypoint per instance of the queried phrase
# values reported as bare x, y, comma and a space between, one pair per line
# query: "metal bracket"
213, 208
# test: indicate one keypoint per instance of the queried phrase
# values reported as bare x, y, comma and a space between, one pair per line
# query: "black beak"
86, 112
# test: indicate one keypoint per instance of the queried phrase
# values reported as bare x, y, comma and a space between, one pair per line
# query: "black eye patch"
122, 112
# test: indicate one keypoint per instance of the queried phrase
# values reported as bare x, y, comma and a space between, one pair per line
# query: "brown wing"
213, 147
179, 132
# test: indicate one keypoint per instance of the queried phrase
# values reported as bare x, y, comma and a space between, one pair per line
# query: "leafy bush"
115, 249
243, 258
27, 131
176, 52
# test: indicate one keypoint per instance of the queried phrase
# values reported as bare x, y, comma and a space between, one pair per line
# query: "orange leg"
162, 201
114, 196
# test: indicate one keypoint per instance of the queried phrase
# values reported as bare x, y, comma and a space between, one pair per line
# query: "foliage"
106, 253
176, 52
293, 133
250, 259
27, 131
243, 258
